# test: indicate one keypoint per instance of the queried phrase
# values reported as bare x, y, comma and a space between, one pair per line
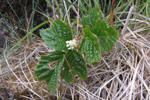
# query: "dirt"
14, 15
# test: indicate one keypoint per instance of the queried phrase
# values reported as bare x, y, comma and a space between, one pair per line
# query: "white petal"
69, 48
68, 45
74, 40
67, 41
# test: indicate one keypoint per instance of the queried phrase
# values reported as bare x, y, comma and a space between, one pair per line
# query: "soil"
18, 20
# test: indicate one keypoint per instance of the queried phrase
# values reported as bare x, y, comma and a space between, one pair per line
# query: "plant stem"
61, 83
72, 77
111, 20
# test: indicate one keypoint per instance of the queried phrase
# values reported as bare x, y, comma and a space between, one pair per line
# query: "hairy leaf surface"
106, 34
50, 75
90, 47
63, 30
56, 36
77, 65
55, 77
94, 14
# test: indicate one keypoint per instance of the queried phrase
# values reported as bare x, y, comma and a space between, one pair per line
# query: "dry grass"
122, 74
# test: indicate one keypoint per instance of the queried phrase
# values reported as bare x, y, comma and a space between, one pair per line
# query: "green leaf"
90, 47
44, 73
53, 40
67, 75
94, 14
49, 75
55, 77
63, 30
56, 36
53, 56
106, 34
77, 65
42, 66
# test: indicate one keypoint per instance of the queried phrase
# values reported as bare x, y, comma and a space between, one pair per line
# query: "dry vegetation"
122, 74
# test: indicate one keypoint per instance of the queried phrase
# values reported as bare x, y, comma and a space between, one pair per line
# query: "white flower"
71, 44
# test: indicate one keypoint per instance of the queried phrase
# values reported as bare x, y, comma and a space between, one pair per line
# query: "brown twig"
111, 20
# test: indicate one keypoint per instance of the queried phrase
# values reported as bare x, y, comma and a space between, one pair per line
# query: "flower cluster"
71, 44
